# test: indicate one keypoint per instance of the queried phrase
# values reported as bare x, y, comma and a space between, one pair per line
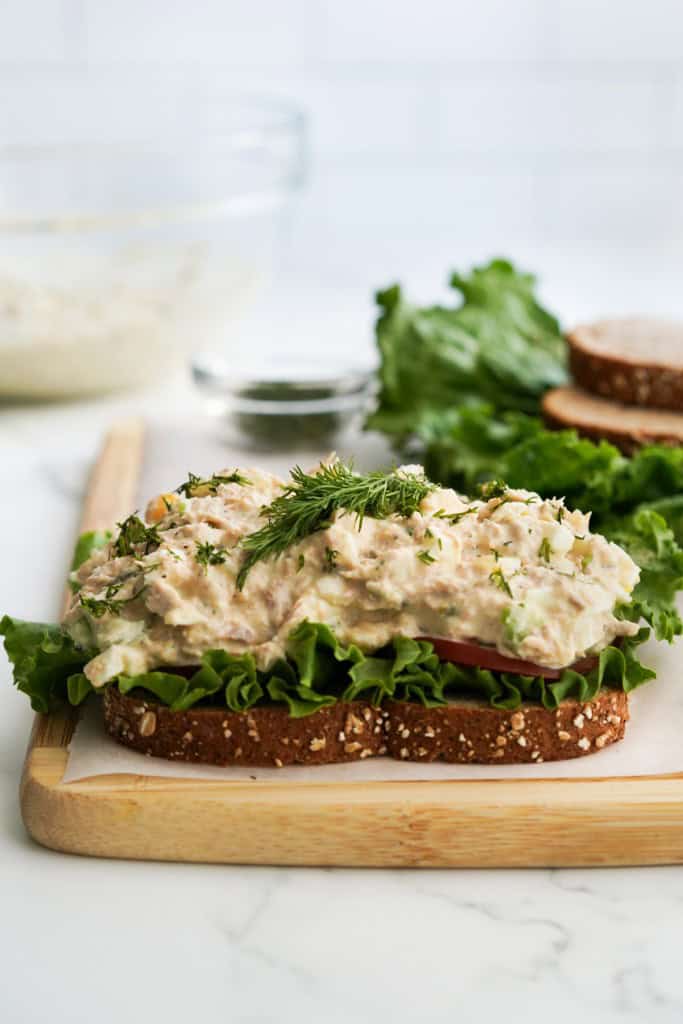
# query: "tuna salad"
237, 562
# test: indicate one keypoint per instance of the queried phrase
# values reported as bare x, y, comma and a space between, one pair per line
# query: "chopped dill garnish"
496, 553
133, 533
300, 563
426, 556
209, 485
499, 580
429, 534
559, 515
586, 561
454, 517
99, 606
331, 558
309, 502
545, 551
207, 554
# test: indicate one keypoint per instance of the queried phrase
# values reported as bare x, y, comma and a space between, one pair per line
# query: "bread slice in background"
636, 361
464, 731
627, 427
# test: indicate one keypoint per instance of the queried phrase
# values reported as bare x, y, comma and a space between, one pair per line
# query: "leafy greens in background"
317, 671
436, 357
460, 388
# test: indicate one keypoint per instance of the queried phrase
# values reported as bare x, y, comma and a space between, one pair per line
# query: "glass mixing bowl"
118, 259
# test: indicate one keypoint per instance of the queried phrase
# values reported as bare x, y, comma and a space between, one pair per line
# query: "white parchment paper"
654, 736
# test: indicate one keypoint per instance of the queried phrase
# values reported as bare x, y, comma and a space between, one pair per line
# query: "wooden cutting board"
472, 823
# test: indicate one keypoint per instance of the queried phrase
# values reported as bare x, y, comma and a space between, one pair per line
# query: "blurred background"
294, 157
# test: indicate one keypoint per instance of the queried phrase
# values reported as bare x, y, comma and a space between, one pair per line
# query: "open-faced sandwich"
340, 616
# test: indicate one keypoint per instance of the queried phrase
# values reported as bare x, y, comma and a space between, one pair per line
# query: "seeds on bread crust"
263, 736
468, 732
461, 732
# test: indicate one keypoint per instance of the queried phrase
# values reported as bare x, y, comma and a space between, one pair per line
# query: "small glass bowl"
296, 403
118, 258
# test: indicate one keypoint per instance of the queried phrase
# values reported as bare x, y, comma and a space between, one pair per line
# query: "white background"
442, 132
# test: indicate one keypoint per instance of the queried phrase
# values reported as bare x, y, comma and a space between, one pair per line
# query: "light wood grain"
112, 487
515, 823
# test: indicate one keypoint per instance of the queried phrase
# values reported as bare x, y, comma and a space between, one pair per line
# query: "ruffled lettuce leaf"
651, 543
499, 344
232, 676
43, 659
318, 671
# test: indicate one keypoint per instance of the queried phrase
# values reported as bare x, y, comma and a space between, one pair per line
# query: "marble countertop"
84, 940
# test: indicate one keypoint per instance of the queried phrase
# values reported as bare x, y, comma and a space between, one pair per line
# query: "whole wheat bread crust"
465, 732
601, 419
263, 736
622, 376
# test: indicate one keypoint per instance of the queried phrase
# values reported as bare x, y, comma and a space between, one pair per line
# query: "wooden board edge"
488, 823
472, 823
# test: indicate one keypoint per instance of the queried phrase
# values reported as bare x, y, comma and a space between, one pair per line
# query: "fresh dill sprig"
196, 486
207, 554
308, 503
99, 606
454, 517
499, 580
426, 556
300, 563
133, 533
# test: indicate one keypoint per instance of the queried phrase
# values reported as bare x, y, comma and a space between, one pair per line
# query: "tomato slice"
463, 653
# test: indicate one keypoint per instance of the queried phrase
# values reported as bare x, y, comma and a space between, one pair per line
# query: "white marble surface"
85, 940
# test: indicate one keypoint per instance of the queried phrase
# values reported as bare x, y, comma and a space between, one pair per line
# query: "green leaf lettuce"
317, 671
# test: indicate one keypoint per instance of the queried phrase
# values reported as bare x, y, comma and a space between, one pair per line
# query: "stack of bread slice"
628, 383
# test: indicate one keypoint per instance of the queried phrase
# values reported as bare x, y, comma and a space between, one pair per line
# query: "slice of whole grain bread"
637, 361
464, 731
469, 732
625, 426
265, 735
